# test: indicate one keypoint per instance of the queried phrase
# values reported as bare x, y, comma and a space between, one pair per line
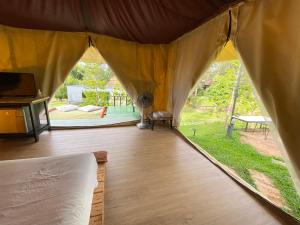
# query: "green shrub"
61, 93
96, 98
219, 93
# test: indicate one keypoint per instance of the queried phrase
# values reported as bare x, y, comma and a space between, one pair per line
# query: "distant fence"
120, 100
205, 108
108, 100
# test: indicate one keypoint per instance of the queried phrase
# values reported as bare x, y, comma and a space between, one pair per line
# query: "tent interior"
161, 48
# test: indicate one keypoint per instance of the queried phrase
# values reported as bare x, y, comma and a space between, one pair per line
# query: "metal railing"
120, 100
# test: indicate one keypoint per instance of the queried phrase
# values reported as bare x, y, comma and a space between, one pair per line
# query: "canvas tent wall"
163, 47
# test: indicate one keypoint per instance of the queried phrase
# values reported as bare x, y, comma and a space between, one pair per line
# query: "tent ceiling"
147, 21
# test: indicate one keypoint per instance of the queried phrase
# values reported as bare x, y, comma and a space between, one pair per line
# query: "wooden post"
235, 96
133, 108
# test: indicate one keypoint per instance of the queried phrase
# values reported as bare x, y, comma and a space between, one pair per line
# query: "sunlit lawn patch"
211, 136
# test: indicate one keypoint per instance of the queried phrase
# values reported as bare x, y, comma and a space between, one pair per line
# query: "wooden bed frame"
97, 210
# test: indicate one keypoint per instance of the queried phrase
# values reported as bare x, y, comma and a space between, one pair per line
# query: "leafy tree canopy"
219, 93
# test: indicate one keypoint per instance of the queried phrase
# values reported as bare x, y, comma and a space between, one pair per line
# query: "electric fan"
144, 100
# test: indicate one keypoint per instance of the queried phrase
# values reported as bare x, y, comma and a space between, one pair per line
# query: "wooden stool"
160, 116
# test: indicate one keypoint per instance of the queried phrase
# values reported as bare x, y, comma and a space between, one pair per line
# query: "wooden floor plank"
154, 178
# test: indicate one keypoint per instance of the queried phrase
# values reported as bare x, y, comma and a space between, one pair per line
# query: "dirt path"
265, 185
266, 146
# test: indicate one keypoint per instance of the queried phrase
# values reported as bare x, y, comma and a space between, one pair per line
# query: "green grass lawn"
211, 136
191, 116
55, 103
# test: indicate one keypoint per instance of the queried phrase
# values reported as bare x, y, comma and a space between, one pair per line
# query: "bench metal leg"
152, 127
47, 116
34, 126
246, 126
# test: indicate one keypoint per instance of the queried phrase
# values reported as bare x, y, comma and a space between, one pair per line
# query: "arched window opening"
224, 116
91, 95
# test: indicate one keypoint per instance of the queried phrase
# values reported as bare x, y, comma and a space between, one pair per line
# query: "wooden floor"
154, 178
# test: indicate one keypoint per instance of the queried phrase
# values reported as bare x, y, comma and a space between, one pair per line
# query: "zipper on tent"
229, 27
90, 41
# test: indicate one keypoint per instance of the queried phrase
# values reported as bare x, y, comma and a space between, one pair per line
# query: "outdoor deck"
94, 122
115, 115
154, 177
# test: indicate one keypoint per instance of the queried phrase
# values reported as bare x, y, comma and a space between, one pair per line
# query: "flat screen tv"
17, 85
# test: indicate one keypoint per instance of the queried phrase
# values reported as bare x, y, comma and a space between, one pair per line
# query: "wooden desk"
28, 102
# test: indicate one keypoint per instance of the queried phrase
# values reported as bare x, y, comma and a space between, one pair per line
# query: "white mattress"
50, 190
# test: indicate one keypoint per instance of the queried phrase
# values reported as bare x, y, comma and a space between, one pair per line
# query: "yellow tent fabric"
167, 71
192, 57
227, 53
49, 55
268, 40
92, 55
140, 68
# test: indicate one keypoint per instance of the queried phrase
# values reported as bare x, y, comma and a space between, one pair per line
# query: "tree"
219, 93
78, 71
106, 72
93, 78
61, 92
91, 75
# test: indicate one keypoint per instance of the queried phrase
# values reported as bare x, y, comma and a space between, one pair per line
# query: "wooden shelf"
37, 128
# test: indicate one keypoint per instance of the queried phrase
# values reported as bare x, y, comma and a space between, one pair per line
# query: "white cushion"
67, 108
89, 108
161, 114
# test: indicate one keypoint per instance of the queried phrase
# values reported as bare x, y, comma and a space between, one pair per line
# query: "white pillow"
89, 108
161, 114
67, 108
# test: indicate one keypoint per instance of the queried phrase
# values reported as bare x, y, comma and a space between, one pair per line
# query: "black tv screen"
17, 85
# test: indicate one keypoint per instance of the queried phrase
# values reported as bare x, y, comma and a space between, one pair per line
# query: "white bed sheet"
47, 191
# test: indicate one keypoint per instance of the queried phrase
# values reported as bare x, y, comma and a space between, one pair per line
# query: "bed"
49, 190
